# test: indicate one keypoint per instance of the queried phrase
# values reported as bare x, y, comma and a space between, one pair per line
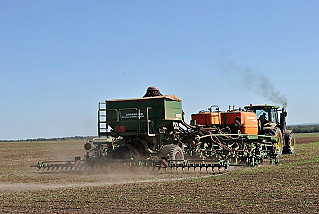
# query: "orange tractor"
252, 120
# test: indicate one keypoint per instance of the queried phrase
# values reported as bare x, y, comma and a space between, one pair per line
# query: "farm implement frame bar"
163, 163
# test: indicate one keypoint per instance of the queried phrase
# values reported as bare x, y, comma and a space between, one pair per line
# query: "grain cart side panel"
142, 115
130, 117
173, 110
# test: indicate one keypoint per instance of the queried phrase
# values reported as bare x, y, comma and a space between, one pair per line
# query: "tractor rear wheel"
290, 144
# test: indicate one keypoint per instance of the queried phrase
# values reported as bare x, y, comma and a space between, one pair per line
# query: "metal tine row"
132, 165
98, 166
207, 167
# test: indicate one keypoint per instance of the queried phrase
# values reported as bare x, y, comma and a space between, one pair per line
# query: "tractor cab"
265, 113
273, 123
268, 118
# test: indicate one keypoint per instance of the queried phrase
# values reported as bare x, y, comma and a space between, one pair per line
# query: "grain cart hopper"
142, 124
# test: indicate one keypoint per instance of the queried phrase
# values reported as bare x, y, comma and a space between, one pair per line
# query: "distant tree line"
294, 128
304, 128
53, 139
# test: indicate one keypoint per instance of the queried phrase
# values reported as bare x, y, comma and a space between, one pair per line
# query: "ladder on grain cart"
102, 121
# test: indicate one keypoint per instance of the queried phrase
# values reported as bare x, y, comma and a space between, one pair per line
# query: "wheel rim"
178, 156
292, 143
278, 144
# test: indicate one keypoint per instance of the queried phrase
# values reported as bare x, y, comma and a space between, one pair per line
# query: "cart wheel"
174, 152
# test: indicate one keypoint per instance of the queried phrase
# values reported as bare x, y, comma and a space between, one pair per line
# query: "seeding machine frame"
151, 132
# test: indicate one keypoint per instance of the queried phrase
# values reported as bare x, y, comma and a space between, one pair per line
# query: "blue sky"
58, 59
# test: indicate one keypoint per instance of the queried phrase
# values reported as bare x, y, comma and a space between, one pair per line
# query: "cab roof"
262, 107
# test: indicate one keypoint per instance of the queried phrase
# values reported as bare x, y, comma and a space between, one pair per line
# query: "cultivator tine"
133, 165
201, 165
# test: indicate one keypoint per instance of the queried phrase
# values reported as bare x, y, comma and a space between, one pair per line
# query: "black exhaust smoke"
252, 81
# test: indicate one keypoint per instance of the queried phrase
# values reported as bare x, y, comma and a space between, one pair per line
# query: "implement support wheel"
174, 152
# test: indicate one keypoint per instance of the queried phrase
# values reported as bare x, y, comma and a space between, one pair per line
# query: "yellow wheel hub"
292, 143
278, 144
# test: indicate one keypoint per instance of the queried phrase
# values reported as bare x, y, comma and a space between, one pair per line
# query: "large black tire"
280, 144
290, 143
165, 150
174, 152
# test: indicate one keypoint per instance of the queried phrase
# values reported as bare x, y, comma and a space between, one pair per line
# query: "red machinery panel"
206, 118
244, 121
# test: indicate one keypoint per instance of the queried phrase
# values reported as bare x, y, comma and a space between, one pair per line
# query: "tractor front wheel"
290, 144
280, 144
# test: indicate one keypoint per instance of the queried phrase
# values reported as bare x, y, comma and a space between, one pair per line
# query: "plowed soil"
291, 187
306, 138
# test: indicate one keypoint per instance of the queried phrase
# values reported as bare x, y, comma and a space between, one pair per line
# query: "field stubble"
291, 187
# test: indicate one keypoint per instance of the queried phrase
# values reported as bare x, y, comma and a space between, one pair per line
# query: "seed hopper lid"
170, 97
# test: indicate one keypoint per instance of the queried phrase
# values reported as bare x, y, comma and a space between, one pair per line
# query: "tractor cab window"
272, 115
262, 114
266, 114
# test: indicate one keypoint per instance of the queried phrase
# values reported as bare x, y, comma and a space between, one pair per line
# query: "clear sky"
58, 59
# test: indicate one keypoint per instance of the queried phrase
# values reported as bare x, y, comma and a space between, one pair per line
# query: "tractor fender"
288, 132
269, 126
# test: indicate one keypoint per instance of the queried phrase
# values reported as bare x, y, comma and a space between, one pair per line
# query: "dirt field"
291, 187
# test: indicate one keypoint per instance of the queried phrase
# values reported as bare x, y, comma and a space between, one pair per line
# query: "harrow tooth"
133, 165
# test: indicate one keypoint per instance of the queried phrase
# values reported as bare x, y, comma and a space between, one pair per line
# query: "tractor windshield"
266, 114
262, 114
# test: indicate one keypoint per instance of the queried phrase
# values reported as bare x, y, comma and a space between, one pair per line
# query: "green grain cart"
138, 127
